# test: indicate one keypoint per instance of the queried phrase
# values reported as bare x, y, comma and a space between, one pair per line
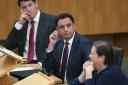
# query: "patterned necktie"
31, 43
64, 61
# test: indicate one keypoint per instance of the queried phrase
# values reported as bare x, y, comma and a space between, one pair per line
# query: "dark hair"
104, 48
64, 15
24, 0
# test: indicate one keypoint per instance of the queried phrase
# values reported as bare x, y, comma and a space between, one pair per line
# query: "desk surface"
9, 80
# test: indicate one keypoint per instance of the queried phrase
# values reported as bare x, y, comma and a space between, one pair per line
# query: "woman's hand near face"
88, 69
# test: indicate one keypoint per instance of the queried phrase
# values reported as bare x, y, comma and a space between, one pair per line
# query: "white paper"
11, 53
22, 69
8, 51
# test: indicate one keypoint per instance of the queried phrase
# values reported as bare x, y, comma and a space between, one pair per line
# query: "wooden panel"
92, 16
8, 14
118, 40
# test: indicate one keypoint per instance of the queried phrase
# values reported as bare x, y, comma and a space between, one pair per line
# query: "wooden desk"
39, 79
9, 61
9, 80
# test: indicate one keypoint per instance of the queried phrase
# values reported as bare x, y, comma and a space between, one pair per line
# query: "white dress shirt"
69, 49
19, 27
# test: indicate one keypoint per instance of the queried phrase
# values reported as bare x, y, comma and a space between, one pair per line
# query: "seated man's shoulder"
85, 39
48, 15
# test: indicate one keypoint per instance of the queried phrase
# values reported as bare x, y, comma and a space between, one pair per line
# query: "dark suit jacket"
17, 39
80, 50
109, 76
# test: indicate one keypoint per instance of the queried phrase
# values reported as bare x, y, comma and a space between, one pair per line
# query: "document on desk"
11, 53
23, 72
22, 69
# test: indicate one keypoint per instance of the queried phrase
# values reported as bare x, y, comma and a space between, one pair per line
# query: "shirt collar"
36, 18
71, 39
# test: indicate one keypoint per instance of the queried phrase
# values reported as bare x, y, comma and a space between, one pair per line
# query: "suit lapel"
40, 26
74, 48
60, 50
24, 34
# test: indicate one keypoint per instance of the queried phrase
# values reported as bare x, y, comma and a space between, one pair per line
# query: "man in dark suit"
20, 35
78, 50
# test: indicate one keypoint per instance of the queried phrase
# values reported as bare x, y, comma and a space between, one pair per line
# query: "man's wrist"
39, 63
18, 26
50, 48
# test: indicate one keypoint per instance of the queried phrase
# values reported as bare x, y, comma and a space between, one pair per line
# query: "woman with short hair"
100, 69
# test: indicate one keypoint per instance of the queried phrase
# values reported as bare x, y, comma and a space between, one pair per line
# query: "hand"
87, 72
24, 17
88, 68
52, 39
